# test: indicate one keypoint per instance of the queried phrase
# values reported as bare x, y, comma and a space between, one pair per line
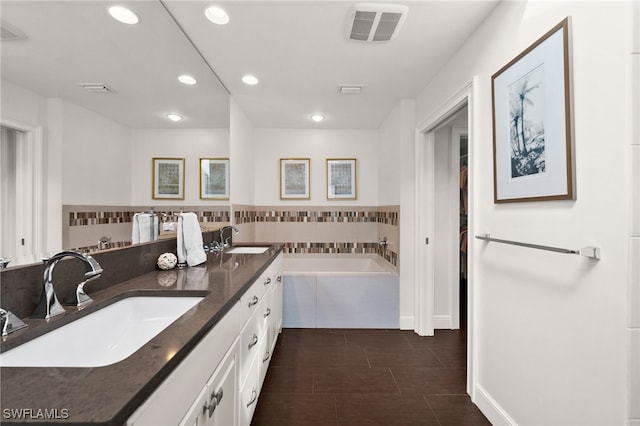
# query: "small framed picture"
168, 179
294, 178
214, 178
341, 179
532, 138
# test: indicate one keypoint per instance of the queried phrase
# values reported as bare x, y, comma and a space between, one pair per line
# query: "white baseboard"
442, 322
490, 408
407, 323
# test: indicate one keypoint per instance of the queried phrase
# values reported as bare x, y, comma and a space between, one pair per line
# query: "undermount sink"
103, 337
247, 250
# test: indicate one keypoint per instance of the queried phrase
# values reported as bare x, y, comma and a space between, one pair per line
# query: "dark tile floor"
367, 377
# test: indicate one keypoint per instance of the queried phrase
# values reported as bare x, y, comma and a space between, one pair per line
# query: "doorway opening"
438, 224
450, 140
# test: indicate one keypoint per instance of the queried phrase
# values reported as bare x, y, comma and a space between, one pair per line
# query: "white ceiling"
298, 50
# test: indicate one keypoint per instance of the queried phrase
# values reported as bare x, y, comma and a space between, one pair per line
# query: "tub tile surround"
323, 229
83, 226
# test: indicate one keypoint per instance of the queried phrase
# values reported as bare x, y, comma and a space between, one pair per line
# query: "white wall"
396, 164
389, 158
241, 148
96, 165
270, 145
190, 144
550, 329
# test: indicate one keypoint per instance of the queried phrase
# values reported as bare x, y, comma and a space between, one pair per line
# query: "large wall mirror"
85, 109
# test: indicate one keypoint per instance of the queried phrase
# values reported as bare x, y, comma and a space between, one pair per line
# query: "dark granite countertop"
109, 395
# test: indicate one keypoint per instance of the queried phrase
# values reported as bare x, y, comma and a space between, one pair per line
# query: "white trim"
442, 322
423, 254
454, 225
407, 323
424, 282
30, 223
490, 408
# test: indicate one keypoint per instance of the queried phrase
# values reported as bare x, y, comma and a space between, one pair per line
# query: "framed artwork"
341, 179
168, 179
532, 138
294, 178
214, 178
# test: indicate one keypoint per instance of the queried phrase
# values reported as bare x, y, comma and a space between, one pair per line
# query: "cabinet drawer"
250, 300
250, 339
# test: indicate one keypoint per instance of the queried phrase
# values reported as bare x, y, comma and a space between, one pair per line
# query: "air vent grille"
95, 87
372, 22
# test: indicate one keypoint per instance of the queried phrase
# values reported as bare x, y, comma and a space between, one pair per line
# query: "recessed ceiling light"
174, 117
317, 117
187, 79
123, 15
250, 80
216, 15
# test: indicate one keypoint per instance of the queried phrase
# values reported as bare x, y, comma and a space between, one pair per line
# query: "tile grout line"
426, 400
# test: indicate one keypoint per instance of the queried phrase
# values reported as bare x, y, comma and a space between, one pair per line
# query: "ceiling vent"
375, 22
9, 32
350, 89
95, 87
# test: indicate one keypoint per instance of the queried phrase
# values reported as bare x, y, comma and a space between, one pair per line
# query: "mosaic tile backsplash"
84, 226
321, 230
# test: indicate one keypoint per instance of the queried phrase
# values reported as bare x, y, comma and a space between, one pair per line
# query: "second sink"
247, 250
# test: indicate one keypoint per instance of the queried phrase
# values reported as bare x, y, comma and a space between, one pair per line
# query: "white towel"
190, 244
145, 228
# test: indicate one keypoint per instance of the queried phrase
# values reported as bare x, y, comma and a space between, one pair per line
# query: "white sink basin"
104, 337
248, 250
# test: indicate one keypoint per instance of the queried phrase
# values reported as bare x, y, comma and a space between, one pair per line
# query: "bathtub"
339, 291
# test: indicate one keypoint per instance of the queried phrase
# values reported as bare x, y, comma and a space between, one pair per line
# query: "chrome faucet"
225, 242
49, 305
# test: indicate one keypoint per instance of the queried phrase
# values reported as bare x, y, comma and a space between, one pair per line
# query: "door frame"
30, 193
424, 279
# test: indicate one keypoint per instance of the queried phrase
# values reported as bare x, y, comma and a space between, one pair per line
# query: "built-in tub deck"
340, 291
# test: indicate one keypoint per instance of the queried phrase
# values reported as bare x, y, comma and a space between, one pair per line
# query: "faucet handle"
10, 322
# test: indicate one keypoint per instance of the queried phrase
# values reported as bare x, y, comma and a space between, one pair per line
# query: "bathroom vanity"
207, 367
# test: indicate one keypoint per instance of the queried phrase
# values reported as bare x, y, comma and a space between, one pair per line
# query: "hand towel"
145, 228
190, 244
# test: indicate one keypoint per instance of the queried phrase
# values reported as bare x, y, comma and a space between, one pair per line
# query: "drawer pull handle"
266, 314
254, 396
266, 357
216, 398
267, 281
253, 301
254, 341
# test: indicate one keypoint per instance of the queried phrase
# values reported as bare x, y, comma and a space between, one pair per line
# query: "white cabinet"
216, 404
219, 382
258, 339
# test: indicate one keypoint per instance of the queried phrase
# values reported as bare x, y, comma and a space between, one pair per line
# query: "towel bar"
590, 252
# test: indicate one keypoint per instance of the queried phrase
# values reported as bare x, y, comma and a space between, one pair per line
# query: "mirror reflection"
87, 102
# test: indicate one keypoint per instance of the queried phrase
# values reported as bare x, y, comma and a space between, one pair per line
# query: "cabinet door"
223, 392
216, 404
197, 415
